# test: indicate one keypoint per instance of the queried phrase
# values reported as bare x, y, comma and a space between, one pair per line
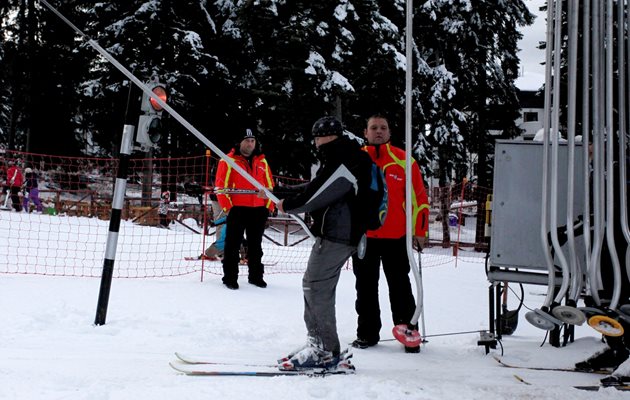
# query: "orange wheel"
605, 325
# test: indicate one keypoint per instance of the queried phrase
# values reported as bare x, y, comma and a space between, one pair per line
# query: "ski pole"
424, 328
6, 200
231, 191
213, 190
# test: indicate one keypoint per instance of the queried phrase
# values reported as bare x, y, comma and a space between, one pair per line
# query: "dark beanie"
327, 126
248, 134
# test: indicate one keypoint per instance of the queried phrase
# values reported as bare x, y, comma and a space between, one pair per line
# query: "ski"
192, 360
199, 259
266, 264
199, 371
518, 378
197, 361
595, 388
504, 364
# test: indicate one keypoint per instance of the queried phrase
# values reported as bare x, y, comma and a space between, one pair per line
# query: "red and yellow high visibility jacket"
391, 159
14, 176
228, 178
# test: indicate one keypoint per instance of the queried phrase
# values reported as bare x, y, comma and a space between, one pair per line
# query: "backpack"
374, 199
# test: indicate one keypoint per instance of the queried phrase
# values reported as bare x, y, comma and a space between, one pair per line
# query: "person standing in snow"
165, 200
14, 181
388, 243
31, 191
215, 250
246, 213
5, 183
332, 201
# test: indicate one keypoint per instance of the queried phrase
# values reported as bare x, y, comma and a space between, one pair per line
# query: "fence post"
205, 213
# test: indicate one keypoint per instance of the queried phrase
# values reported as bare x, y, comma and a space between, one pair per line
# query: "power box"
517, 202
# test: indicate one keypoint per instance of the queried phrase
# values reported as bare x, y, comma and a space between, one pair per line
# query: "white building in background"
530, 121
532, 108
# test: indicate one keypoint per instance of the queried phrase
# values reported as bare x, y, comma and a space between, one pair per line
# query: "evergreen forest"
275, 65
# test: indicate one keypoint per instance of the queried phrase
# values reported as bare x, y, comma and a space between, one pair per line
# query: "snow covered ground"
51, 349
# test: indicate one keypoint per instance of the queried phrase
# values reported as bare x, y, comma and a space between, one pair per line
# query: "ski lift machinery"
516, 253
547, 187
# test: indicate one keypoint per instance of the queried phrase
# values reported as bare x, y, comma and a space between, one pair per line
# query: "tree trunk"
482, 153
445, 203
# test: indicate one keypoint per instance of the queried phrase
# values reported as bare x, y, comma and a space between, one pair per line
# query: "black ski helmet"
327, 126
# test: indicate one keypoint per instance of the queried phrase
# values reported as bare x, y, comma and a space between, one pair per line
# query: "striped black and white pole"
126, 147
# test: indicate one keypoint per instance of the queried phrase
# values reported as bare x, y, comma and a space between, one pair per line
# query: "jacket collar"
377, 149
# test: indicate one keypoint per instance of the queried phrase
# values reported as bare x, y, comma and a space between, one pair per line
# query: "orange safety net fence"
65, 233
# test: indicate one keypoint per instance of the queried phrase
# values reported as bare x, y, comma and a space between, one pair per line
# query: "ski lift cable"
555, 128
576, 282
623, 156
609, 150
544, 217
415, 267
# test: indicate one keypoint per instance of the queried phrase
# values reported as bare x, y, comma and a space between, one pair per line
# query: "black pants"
249, 220
15, 198
393, 254
164, 221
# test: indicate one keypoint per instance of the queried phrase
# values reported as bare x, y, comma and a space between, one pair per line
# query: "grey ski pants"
320, 285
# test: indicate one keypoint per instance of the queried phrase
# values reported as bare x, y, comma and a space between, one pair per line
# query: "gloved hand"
25, 194
419, 242
261, 194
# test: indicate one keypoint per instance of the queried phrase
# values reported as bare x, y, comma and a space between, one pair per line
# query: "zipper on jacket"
324, 220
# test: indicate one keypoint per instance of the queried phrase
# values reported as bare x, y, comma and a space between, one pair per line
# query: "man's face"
321, 140
247, 146
377, 131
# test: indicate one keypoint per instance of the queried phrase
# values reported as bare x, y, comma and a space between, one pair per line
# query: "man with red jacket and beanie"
245, 212
15, 179
388, 243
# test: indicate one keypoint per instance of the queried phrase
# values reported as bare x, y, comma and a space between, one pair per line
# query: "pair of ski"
268, 264
620, 387
192, 366
197, 367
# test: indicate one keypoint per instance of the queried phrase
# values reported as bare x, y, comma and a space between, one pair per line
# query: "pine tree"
376, 65
478, 45
15, 41
39, 73
475, 46
292, 74
170, 40
5, 92
275, 64
57, 69
309, 59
